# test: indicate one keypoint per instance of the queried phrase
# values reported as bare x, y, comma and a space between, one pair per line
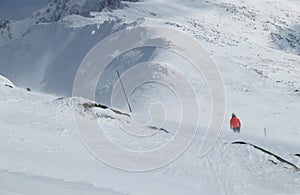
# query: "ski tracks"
215, 167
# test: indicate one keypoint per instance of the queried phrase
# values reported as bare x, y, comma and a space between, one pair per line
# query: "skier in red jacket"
235, 123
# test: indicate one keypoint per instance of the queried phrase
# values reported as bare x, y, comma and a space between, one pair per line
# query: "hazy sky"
18, 9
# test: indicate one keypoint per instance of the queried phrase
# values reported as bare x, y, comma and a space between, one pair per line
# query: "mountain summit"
56, 9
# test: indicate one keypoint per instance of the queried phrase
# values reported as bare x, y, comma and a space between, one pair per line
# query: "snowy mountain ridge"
57, 9
54, 11
211, 22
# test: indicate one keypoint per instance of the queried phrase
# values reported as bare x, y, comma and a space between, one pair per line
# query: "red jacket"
235, 122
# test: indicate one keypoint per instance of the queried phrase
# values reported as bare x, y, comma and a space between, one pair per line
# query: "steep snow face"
53, 61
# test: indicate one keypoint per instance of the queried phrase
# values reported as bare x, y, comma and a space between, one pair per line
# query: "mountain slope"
40, 128
254, 44
211, 22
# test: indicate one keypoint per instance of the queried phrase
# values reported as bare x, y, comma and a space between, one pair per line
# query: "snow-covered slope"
254, 43
42, 153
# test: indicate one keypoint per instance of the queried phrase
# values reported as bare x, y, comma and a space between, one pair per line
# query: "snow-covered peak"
57, 9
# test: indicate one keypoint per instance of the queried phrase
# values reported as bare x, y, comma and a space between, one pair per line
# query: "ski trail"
213, 166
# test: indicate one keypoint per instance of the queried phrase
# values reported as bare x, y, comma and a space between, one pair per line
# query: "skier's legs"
236, 130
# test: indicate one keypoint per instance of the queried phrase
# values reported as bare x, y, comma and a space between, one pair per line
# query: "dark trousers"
237, 130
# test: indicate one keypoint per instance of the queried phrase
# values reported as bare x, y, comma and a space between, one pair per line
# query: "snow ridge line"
268, 152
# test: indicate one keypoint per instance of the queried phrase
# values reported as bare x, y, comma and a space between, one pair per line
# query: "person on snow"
235, 123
